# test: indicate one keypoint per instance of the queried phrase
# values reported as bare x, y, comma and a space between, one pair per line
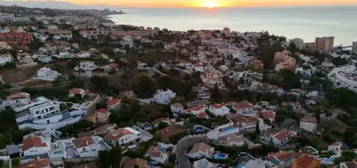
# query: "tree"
342, 97
267, 51
216, 94
100, 84
143, 86
257, 129
15, 162
110, 158
290, 79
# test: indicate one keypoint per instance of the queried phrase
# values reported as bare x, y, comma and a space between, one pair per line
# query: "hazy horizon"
87, 4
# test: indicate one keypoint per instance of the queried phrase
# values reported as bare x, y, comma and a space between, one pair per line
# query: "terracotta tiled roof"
113, 101
83, 142
37, 163
283, 134
18, 95
201, 147
238, 118
217, 106
153, 151
102, 110
75, 91
169, 131
268, 114
243, 104
309, 119
104, 129
117, 133
30, 142
177, 105
306, 161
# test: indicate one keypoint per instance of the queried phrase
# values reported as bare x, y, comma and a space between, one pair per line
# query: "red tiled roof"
30, 142
306, 161
196, 108
75, 91
243, 104
217, 106
113, 101
37, 163
83, 142
201, 147
117, 133
18, 95
102, 110
267, 114
283, 134
169, 131
153, 151
238, 118
309, 119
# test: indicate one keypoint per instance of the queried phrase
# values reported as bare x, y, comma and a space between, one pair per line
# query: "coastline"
305, 22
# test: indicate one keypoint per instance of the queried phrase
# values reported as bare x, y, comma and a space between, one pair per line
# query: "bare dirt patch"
17, 75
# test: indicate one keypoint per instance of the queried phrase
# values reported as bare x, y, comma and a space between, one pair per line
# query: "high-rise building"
354, 47
324, 44
299, 43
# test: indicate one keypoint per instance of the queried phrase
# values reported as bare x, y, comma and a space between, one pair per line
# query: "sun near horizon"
210, 4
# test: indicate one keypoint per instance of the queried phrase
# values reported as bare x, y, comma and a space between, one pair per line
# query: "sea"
291, 22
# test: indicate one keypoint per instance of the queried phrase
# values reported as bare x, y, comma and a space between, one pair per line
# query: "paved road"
184, 145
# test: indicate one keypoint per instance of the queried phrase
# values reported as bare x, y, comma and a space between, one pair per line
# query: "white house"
35, 146
176, 108
83, 54
199, 111
280, 138
6, 58
43, 113
336, 147
85, 66
113, 103
88, 146
47, 74
219, 109
156, 154
204, 163
232, 140
122, 136
200, 150
308, 124
163, 97
245, 108
268, 115
58, 149
344, 77
44, 58
17, 100
243, 122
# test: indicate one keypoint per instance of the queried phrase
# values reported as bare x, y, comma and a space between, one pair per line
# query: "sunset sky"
208, 3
